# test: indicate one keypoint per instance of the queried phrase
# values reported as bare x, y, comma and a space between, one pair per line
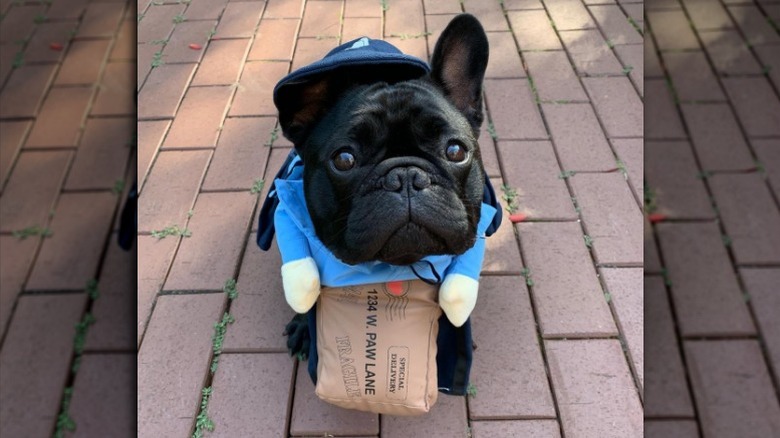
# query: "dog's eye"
344, 161
456, 153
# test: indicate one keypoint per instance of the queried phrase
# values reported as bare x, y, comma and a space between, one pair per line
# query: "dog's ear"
301, 106
458, 65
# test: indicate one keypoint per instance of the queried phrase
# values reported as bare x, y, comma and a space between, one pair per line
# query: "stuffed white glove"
457, 297
301, 281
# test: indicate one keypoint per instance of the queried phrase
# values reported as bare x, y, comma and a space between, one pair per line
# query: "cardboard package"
377, 347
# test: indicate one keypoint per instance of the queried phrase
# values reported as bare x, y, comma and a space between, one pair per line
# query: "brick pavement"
67, 145
712, 249
561, 295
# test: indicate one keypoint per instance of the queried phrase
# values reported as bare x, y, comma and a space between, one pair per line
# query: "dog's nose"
406, 178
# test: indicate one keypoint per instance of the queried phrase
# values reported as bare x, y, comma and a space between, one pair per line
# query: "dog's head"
393, 170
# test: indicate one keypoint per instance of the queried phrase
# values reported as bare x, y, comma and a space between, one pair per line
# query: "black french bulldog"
393, 169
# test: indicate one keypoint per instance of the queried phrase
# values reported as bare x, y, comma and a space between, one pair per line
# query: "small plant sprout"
526, 272
179, 18
34, 230
157, 59
510, 196
64, 421
491, 129
471, 390
202, 421
230, 289
273, 136
220, 329
385, 5
92, 289
607, 296
627, 69
257, 187
119, 186
172, 230
567, 174
588, 241
650, 202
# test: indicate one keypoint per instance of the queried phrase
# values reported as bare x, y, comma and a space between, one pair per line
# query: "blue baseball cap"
381, 60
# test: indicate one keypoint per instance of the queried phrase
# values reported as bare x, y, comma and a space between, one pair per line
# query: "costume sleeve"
470, 262
293, 244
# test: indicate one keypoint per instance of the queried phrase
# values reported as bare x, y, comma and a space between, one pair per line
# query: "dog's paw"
457, 297
301, 282
297, 332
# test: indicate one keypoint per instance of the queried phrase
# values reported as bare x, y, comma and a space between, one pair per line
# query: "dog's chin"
410, 243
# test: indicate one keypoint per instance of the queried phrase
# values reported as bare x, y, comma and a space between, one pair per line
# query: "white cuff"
301, 281
457, 297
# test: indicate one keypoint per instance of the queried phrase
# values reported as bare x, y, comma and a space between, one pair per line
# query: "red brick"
39, 50
671, 173
321, 19
222, 63
615, 25
532, 170
178, 49
612, 218
504, 328
707, 15
35, 362
533, 30
163, 90
260, 309
663, 121
729, 53
504, 59
210, 256
404, 17
590, 53
489, 13
514, 5
626, 290
754, 25
255, 89
761, 286
12, 136
435, 25
635, 11
103, 402
580, 143
569, 302
631, 57
692, 76
671, 429
526, 428
594, 388
150, 136
61, 118
170, 190
553, 76
101, 20
488, 152
157, 23
768, 154
31, 191
245, 383
308, 50
502, 254
152, 269
24, 91
199, 118
705, 291
570, 15
618, 106
274, 40
83, 62
770, 59
749, 216
146, 53
757, 106
114, 309
241, 154
716, 136
652, 64
411, 46
312, 416
733, 388
672, 30
630, 152
7, 53
102, 155
239, 20
372, 9
125, 44
173, 360
446, 419
665, 388
434, 6
513, 110
70, 10
70, 257
652, 259
283, 9
116, 95
16, 256
355, 28
19, 22
205, 9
